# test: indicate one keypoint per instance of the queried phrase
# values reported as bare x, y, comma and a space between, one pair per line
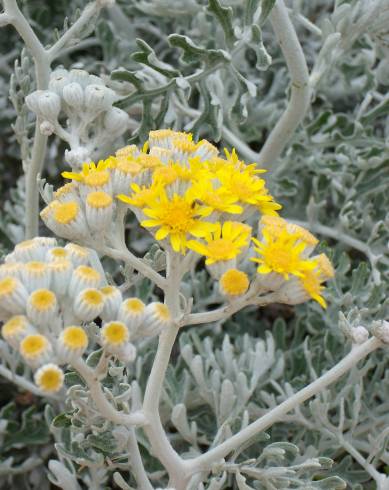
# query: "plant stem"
42, 73
300, 91
136, 263
154, 430
137, 463
102, 404
205, 461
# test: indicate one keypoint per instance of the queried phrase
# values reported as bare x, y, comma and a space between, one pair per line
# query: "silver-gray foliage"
215, 68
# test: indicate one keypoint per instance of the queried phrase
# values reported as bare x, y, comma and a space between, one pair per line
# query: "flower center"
66, 212
178, 216
92, 297
74, 337
96, 178
221, 249
33, 345
99, 199
234, 282
42, 299
115, 333
14, 325
7, 286
86, 272
134, 305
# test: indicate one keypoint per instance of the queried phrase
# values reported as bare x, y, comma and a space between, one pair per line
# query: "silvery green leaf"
224, 15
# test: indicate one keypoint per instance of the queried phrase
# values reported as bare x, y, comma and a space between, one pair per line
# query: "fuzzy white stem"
137, 463
89, 11
102, 404
129, 258
154, 430
205, 461
42, 72
300, 91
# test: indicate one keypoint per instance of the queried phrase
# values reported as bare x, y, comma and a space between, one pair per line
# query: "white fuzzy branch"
104, 407
205, 461
300, 90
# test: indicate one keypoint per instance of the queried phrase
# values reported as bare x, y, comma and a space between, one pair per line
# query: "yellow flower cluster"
192, 198
179, 189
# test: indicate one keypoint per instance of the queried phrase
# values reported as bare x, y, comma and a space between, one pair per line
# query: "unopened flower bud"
115, 120
76, 157
81, 77
73, 94
49, 105
59, 78
98, 98
32, 101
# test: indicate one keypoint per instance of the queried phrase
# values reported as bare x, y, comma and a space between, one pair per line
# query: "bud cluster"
86, 104
48, 295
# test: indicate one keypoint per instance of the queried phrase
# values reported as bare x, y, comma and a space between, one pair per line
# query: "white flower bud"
127, 354
32, 101
47, 128
79, 76
49, 105
115, 120
359, 335
73, 95
75, 158
98, 98
59, 78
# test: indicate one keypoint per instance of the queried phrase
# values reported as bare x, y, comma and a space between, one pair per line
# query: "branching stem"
205, 461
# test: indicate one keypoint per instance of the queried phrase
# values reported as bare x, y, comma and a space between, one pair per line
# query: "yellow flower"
92, 175
225, 243
275, 225
234, 283
247, 189
141, 196
312, 284
176, 217
168, 174
218, 200
281, 253
49, 378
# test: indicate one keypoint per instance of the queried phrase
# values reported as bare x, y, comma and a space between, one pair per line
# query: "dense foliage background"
200, 66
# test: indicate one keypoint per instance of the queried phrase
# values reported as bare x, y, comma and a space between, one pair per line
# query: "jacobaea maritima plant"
165, 320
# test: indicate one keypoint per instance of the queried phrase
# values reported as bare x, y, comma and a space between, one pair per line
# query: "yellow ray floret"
176, 217
281, 253
247, 189
214, 199
141, 196
225, 243
92, 174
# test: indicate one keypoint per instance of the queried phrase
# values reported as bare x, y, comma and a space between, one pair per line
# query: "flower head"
281, 253
114, 336
49, 378
177, 218
234, 283
35, 348
225, 243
